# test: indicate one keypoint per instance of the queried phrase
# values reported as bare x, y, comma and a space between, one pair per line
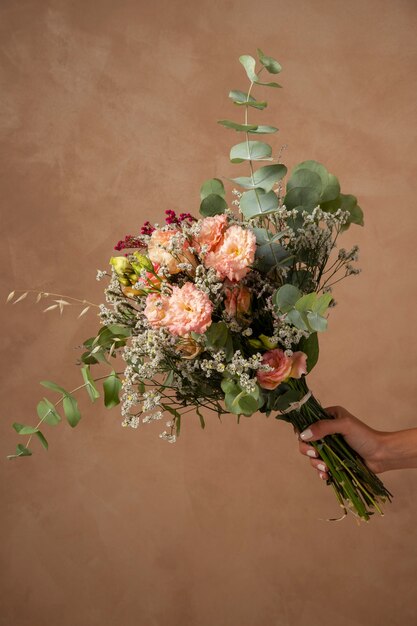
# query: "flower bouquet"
223, 312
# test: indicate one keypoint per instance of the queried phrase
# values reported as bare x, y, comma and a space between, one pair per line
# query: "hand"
369, 443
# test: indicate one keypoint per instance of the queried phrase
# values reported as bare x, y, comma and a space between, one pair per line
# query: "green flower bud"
267, 343
121, 265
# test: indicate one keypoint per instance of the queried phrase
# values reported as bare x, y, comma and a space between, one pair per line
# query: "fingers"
321, 467
315, 460
306, 449
325, 427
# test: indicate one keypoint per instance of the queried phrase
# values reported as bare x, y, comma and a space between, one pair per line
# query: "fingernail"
311, 453
322, 476
321, 467
306, 434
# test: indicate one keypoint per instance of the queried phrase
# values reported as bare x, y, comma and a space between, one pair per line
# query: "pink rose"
211, 232
234, 254
156, 309
284, 367
237, 300
158, 251
189, 310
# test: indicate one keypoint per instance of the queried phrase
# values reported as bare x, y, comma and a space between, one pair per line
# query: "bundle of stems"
358, 490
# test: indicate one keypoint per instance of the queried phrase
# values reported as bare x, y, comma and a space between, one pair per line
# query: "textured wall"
108, 117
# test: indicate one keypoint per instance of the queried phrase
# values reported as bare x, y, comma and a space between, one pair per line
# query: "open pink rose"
237, 300
156, 309
159, 252
211, 232
189, 310
284, 367
234, 254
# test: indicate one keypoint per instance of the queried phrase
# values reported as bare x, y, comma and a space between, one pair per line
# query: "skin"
381, 451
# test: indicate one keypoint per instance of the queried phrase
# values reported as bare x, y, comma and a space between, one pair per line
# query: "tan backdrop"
109, 116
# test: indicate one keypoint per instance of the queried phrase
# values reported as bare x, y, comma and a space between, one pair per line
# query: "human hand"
365, 440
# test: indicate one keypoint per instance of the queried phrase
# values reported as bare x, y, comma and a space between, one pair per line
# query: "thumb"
324, 427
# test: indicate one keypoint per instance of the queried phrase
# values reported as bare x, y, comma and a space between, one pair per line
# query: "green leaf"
346, 202
250, 151
230, 386
112, 386
142, 263
243, 99
24, 430
331, 190
270, 255
306, 303
117, 329
212, 186
71, 410
265, 177
263, 130
48, 413
21, 450
316, 321
297, 319
277, 85
322, 303
200, 415
49, 385
239, 127
218, 337
247, 405
90, 386
258, 202
303, 189
270, 64
303, 279
42, 439
213, 205
330, 187
310, 346
169, 379
249, 64
356, 215
286, 297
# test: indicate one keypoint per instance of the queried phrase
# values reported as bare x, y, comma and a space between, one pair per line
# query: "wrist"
397, 450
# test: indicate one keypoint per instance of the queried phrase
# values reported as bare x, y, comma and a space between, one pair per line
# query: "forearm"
398, 450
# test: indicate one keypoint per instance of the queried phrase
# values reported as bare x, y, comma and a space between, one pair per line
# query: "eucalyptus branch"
56, 404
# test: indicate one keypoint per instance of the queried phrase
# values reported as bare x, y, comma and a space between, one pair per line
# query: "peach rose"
235, 253
211, 232
284, 367
158, 251
237, 300
156, 309
189, 310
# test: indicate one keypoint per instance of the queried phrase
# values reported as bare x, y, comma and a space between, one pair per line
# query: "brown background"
109, 116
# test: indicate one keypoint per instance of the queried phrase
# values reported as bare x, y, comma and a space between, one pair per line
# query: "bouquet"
222, 312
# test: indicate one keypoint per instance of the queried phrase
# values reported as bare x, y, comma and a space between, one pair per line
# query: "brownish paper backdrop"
109, 114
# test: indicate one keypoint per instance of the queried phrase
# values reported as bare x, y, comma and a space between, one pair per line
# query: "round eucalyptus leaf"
258, 202
263, 130
240, 127
243, 99
286, 297
213, 204
250, 151
270, 64
249, 64
214, 185
330, 187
